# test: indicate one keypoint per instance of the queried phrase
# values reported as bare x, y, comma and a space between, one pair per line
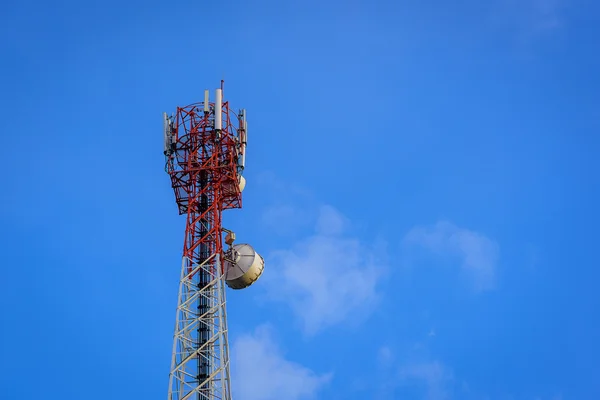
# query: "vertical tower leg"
200, 368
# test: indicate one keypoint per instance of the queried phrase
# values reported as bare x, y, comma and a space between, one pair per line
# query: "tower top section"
206, 141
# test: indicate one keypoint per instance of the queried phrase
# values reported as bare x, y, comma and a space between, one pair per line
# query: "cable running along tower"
205, 152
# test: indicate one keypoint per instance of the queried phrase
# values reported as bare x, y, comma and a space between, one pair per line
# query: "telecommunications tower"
205, 151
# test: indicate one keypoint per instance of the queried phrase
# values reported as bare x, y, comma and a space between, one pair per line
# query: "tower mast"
204, 150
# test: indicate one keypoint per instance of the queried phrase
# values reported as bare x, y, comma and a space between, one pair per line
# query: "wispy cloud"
422, 373
555, 397
288, 207
261, 371
385, 356
546, 15
284, 219
477, 254
433, 376
328, 277
529, 20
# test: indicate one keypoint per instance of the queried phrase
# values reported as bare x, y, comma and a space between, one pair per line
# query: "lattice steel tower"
205, 151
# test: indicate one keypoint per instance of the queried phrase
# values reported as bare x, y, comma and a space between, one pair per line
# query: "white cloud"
478, 254
284, 219
331, 222
546, 14
328, 277
288, 208
385, 356
433, 376
530, 19
413, 371
260, 371
555, 397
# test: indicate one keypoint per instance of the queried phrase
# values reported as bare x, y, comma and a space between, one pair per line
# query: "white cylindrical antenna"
206, 101
245, 140
243, 137
218, 105
245, 126
166, 130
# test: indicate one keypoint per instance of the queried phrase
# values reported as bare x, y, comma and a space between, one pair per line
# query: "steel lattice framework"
203, 162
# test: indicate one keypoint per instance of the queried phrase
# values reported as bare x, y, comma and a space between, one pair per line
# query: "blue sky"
422, 181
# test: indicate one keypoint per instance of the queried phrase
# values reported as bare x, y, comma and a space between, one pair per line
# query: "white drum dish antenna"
243, 266
229, 186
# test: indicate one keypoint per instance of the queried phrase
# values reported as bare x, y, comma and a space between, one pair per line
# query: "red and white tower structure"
205, 151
